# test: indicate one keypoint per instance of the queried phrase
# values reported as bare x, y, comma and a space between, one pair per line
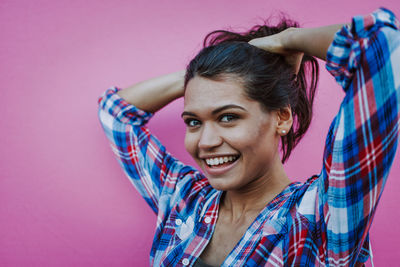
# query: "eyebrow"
215, 111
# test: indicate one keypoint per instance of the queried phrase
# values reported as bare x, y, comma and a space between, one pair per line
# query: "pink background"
64, 201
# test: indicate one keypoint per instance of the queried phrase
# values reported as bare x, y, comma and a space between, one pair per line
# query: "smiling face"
231, 137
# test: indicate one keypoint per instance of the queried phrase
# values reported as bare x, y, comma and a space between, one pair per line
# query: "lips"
218, 161
218, 165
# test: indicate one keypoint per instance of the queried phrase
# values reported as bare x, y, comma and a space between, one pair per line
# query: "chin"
221, 185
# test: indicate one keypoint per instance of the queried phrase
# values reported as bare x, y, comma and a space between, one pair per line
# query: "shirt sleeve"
145, 161
360, 147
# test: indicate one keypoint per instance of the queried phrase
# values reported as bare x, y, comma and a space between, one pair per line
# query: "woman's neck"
256, 195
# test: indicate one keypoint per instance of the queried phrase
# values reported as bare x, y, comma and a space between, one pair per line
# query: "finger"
268, 43
294, 59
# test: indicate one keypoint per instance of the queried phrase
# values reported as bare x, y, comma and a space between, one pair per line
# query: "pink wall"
64, 201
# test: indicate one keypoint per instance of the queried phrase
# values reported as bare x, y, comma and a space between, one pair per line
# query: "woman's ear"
285, 121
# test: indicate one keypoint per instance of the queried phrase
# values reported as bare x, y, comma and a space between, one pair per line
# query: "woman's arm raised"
153, 94
123, 113
362, 140
293, 42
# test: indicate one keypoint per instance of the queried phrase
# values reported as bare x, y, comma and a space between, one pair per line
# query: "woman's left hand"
277, 43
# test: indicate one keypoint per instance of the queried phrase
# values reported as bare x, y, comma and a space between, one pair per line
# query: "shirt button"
185, 262
178, 221
207, 219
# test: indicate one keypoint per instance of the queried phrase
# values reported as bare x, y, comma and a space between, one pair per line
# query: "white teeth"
220, 160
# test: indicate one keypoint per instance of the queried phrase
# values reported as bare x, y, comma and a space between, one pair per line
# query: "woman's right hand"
278, 43
292, 42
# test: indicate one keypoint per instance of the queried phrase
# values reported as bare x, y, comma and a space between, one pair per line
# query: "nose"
209, 138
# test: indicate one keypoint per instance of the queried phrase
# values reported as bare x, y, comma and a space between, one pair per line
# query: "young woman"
245, 96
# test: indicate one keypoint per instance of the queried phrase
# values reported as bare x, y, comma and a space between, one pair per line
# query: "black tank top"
200, 263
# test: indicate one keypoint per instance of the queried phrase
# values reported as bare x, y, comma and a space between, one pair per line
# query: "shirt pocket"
176, 231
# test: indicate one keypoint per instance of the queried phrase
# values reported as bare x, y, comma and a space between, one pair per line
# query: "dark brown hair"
267, 78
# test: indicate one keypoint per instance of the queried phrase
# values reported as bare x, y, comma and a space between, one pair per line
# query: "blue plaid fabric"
324, 221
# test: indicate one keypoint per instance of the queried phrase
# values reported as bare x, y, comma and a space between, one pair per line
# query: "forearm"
311, 41
153, 94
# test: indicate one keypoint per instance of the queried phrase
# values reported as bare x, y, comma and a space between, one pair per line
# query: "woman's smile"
220, 161
219, 165
229, 135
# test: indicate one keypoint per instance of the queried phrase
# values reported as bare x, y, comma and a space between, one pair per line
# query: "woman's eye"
228, 118
192, 122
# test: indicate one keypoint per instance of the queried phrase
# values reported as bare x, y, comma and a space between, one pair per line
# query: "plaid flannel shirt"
324, 221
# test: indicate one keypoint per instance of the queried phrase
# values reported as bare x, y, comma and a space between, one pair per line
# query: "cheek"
254, 141
190, 143
236, 135
249, 133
